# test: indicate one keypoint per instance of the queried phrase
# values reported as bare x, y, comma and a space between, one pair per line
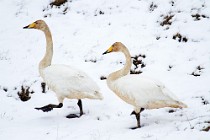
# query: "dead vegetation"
207, 128
198, 16
25, 93
61, 5
152, 7
197, 71
158, 37
99, 12
5, 89
91, 60
103, 78
171, 110
170, 67
138, 63
58, 2
135, 71
204, 101
167, 20
180, 37
172, 3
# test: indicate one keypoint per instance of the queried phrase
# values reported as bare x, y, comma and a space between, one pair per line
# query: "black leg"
137, 118
49, 107
80, 106
79, 103
134, 113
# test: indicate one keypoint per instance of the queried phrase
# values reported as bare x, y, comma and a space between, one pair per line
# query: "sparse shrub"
65, 10
206, 129
138, 62
180, 37
58, 2
99, 12
170, 67
143, 65
197, 71
152, 7
184, 39
203, 100
135, 72
171, 111
24, 94
172, 3
167, 20
5, 89
158, 37
103, 78
91, 60
98, 118
198, 16
195, 74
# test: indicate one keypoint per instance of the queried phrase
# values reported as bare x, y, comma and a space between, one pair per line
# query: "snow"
83, 34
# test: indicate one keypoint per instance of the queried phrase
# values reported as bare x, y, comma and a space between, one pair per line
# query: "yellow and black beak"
30, 26
108, 51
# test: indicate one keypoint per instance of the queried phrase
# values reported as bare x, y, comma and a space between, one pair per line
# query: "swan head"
39, 24
116, 47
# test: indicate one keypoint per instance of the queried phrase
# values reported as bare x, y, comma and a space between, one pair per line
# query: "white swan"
141, 92
64, 80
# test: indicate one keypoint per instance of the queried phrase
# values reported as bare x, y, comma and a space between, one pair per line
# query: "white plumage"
137, 90
143, 92
71, 83
64, 80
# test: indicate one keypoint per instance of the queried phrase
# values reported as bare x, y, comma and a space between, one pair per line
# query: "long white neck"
46, 61
125, 70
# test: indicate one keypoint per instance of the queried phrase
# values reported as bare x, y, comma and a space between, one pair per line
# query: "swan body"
143, 92
64, 80
137, 90
71, 83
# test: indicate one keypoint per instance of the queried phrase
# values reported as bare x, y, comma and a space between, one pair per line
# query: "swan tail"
162, 103
178, 104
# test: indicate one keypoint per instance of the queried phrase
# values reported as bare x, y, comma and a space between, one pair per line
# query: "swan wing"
69, 79
141, 90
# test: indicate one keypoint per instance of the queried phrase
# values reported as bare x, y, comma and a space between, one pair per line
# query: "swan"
138, 91
65, 81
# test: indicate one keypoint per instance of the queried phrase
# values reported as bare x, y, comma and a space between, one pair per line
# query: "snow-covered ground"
82, 30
